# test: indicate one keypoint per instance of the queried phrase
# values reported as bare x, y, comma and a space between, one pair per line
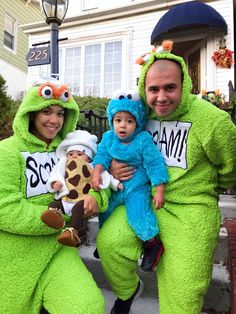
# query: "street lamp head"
54, 11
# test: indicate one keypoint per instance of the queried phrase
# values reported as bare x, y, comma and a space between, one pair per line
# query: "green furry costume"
36, 270
198, 144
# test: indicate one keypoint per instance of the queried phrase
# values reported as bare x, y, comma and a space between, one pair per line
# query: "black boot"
124, 306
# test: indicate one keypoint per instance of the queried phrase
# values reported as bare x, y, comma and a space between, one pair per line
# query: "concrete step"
227, 205
218, 295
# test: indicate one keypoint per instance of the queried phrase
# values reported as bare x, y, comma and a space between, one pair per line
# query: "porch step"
227, 205
218, 295
217, 298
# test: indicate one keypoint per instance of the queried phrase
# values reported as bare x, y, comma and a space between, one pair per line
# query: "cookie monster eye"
118, 95
133, 95
65, 95
46, 92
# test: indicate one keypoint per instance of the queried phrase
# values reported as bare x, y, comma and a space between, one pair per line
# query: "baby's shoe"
152, 254
53, 218
69, 237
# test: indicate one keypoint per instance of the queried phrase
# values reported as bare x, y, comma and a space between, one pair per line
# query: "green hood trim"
34, 102
186, 85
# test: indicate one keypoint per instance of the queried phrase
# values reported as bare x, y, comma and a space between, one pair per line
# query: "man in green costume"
35, 270
198, 142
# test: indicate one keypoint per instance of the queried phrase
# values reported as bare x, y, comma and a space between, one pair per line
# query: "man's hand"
121, 170
90, 206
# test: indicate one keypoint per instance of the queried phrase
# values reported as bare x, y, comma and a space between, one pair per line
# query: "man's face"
163, 87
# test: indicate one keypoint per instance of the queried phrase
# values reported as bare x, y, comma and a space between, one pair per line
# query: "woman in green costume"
197, 141
35, 270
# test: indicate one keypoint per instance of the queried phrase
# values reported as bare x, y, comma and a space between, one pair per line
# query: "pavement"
217, 299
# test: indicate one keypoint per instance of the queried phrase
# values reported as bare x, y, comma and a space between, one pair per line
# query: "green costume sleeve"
102, 198
222, 141
18, 214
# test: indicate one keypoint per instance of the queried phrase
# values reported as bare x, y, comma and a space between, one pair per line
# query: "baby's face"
73, 154
124, 124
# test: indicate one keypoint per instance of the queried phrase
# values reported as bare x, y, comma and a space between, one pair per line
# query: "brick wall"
230, 225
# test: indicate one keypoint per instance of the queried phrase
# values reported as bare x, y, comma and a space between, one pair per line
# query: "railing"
231, 112
96, 123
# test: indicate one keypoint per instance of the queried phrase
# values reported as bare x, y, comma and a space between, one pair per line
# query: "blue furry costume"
140, 151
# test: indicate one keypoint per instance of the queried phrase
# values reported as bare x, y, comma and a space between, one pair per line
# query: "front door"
194, 71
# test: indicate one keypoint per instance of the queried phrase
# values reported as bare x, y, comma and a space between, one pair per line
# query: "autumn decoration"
223, 57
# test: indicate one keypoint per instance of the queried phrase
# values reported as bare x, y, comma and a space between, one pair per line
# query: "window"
10, 32
112, 67
89, 4
93, 70
72, 69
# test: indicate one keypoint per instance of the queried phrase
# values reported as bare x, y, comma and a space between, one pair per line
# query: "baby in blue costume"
127, 141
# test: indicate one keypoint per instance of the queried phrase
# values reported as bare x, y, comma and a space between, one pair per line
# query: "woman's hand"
121, 170
57, 185
90, 206
96, 177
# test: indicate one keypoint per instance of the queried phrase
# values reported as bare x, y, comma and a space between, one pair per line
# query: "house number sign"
38, 56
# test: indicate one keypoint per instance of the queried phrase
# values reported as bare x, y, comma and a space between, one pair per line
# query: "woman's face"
48, 122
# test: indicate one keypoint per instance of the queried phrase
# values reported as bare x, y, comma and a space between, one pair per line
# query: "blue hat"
131, 103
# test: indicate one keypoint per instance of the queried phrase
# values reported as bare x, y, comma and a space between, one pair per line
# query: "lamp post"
54, 12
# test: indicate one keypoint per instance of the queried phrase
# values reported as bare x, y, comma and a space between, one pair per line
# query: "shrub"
8, 108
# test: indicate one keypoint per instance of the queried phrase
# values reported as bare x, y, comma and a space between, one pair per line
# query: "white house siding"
16, 79
77, 6
135, 31
225, 8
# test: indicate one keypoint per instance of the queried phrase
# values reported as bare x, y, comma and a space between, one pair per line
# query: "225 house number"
38, 56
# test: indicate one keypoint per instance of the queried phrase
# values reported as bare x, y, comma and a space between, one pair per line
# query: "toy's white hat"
78, 140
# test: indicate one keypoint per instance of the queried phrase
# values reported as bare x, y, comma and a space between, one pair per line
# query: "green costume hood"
186, 85
40, 97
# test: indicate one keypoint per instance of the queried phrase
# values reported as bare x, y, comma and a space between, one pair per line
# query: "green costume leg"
68, 287
185, 269
119, 250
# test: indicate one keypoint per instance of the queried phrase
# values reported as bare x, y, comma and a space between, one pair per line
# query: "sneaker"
123, 307
96, 254
152, 254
